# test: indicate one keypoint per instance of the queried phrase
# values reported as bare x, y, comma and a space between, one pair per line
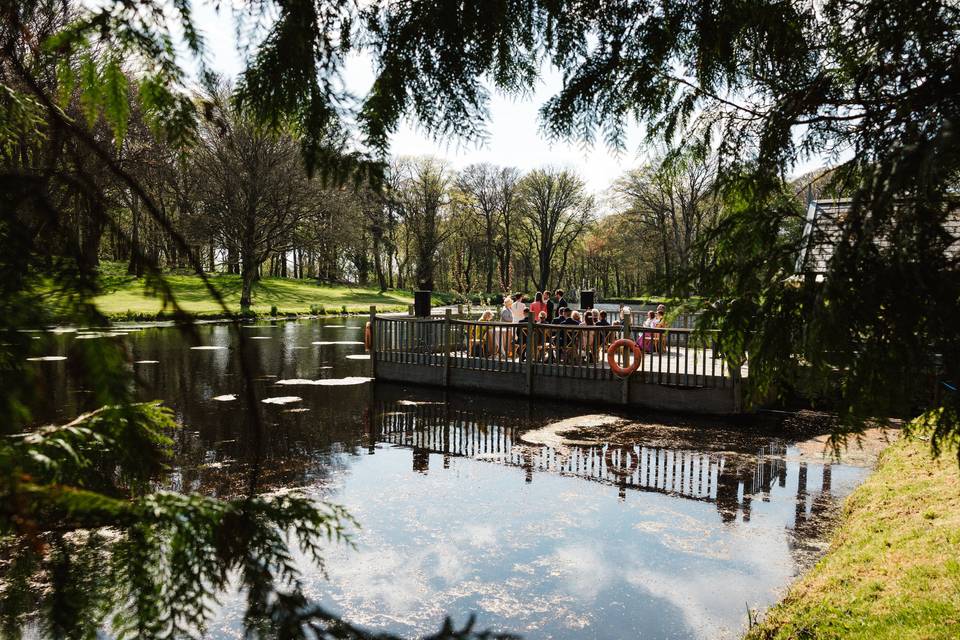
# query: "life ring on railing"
623, 372
624, 471
367, 337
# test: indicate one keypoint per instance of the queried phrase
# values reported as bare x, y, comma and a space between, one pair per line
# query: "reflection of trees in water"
731, 479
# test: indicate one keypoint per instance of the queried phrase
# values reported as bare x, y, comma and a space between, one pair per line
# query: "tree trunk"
376, 233
135, 266
250, 273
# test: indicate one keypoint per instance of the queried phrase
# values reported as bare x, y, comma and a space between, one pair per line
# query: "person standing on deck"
537, 306
561, 302
518, 307
506, 315
550, 306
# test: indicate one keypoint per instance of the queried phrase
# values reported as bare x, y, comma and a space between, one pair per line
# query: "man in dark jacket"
561, 302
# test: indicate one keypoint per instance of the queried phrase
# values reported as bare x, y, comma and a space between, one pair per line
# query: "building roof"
823, 228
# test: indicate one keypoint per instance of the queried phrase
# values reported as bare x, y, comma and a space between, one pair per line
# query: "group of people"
552, 345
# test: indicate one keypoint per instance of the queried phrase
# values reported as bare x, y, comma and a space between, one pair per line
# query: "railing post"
625, 389
737, 385
411, 310
446, 347
373, 340
529, 350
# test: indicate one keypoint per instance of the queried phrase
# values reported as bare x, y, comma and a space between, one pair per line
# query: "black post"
586, 299
421, 304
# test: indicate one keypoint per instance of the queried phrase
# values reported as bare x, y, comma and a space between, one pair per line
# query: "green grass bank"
893, 569
125, 297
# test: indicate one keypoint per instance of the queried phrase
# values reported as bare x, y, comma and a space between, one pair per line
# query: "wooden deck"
679, 368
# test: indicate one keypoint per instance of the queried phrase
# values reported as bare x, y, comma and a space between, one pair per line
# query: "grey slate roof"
823, 227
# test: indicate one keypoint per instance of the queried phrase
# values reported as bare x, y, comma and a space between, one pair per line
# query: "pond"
643, 525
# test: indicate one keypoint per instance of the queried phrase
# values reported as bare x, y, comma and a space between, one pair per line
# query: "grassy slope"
125, 295
893, 570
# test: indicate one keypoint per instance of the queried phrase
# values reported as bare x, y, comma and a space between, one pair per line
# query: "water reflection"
730, 480
667, 532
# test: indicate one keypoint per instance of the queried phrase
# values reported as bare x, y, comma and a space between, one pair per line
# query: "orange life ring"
626, 471
623, 372
367, 337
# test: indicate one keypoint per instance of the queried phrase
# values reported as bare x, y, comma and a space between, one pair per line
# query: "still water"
666, 527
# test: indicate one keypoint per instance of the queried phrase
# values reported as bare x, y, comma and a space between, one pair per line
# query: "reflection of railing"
698, 475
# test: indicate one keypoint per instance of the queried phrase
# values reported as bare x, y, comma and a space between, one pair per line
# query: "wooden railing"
674, 356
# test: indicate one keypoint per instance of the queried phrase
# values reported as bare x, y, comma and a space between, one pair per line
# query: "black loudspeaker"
586, 299
421, 304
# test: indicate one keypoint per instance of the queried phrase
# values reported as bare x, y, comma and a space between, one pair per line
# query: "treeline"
235, 197
241, 202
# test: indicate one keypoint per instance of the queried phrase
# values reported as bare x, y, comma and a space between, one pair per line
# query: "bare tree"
675, 200
255, 192
556, 210
489, 192
421, 200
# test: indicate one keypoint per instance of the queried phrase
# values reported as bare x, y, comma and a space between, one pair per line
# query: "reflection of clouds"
382, 585
583, 570
412, 585
712, 602
559, 557
685, 534
476, 535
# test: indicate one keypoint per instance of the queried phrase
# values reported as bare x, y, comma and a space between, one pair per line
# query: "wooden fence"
670, 357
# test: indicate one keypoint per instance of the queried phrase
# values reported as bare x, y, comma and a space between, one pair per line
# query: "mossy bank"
893, 569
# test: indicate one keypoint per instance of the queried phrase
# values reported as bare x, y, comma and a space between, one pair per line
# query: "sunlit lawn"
128, 296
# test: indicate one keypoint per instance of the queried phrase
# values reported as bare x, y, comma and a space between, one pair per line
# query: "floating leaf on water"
297, 410
328, 382
146, 362
207, 347
47, 358
282, 400
359, 356
63, 330
324, 342
229, 397
260, 337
